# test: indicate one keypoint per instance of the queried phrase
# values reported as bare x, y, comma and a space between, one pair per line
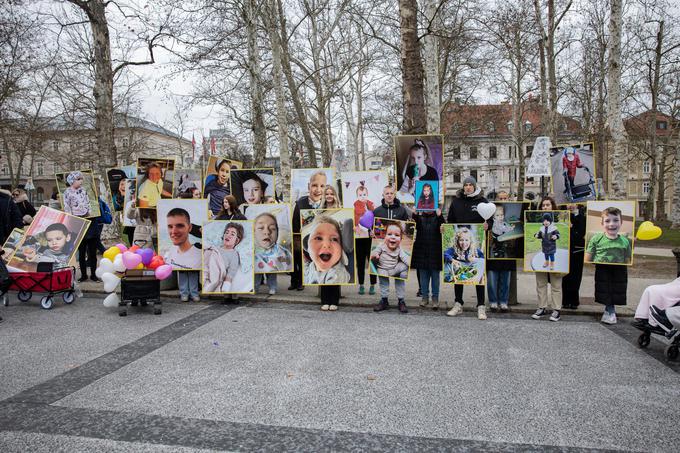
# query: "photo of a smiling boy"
328, 247
609, 232
252, 186
391, 248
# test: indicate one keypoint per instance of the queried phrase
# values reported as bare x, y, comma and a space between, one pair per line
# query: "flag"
213, 147
204, 144
193, 147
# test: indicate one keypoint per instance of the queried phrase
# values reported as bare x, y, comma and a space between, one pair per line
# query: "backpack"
105, 215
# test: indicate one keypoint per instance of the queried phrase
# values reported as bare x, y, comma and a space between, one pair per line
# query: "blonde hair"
336, 203
474, 247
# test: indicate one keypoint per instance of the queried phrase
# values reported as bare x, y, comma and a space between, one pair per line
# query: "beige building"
63, 145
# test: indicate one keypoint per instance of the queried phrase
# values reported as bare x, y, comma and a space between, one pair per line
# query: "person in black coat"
11, 216
25, 207
571, 283
463, 210
427, 254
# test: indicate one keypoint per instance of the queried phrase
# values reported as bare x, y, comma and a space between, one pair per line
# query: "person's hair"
176, 212
317, 173
270, 215
19, 190
552, 202
472, 251
239, 230
233, 206
361, 188
422, 192
419, 144
57, 227
219, 163
151, 165
612, 211
336, 203
394, 224
389, 186
189, 193
548, 217
246, 175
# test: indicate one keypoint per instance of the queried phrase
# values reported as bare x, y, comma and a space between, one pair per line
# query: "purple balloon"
366, 220
147, 255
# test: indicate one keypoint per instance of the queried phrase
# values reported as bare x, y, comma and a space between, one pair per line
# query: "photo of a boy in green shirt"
609, 246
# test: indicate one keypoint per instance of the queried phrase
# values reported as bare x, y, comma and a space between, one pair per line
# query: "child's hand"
474, 259
553, 237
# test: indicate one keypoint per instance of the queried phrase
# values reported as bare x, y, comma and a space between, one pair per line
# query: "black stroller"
580, 192
668, 326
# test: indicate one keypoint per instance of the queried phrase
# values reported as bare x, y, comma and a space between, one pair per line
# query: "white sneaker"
504, 307
325, 307
608, 318
184, 298
332, 308
195, 298
493, 306
272, 292
481, 312
456, 310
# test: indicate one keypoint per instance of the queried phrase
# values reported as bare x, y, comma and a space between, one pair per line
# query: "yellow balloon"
111, 252
647, 231
140, 266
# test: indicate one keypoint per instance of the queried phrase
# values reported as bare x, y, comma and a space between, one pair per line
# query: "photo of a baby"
78, 193
187, 183
362, 191
154, 181
273, 237
506, 232
418, 158
464, 260
427, 195
391, 248
253, 185
53, 237
228, 257
328, 246
609, 232
546, 241
216, 185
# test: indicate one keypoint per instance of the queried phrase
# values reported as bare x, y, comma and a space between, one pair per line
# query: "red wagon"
52, 282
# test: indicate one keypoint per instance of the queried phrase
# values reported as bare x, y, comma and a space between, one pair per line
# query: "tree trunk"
552, 76
281, 120
250, 16
431, 61
655, 184
414, 121
675, 212
618, 156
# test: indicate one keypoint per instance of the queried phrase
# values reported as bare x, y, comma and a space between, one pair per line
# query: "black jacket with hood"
463, 208
394, 211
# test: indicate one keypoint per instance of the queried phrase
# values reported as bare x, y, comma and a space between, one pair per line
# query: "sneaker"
641, 323
361, 289
272, 292
195, 298
608, 318
371, 290
425, 302
325, 307
332, 308
456, 310
481, 312
555, 315
538, 314
493, 306
402, 306
184, 298
436, 304
382, 305
504, 307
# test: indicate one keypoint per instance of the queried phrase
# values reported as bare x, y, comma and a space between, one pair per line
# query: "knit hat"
548, 217
470, 180
71, 178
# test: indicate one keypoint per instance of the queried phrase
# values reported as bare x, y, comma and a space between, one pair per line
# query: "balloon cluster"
119, 258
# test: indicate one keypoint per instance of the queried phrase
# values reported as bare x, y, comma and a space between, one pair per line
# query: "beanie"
470, 180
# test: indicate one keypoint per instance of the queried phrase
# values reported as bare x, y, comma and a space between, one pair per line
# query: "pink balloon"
131, 260
163, 272
366, 220
121, 247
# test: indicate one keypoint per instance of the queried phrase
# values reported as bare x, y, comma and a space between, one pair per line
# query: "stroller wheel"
46, 302
672, 352
644, 339
68, 297
24, 296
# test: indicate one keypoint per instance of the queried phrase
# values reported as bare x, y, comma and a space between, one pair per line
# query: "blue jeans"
188, 283
399, 287
498, 286
272, 281
550, 257
427, 275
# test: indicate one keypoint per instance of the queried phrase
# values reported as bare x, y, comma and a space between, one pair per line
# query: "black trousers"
296, 275
330, 295
571, 283
458, 291
87, 255
363, 251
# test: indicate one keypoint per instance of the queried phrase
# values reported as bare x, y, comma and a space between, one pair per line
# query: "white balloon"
110, 282
118, 265
111, 300
105, 265
486, 210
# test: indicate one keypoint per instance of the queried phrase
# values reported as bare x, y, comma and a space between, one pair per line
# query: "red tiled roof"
638, 125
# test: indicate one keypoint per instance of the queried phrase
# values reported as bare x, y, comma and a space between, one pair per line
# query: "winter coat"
427, 249
611, 284
394, 211
548, 244
10, 214
463, 208
25, 208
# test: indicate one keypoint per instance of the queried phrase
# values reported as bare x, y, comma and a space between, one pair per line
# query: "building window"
646, 166
645, 187
661, 125
5, 170
456, 153
511, 152
456, 175
490, 126
493, 153
39, 168
473, 173
55, 146
473, 152
527, 126
40, 194
90, 147
530, 149
126, 143
530, 179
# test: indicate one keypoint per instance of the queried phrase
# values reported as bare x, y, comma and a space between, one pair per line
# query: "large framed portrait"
610, 235
418, 158
311, 183
129, 210
463, 254
154, 181
572, 169
362, 191
228, 257
546, 241
216, 185
328, 247
117, 180
188, 183
11, 244
273, 236
391, 248
78, 193
253, 185
179, 232
507, 232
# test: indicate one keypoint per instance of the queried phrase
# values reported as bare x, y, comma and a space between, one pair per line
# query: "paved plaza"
283, 376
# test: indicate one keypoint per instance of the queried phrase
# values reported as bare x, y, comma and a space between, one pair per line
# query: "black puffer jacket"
394, 211
427, 250
611, 284
463, 208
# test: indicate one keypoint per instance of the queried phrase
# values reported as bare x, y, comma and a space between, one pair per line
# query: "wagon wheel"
69, 297
46, 302
643, 340
672, 352
24, 296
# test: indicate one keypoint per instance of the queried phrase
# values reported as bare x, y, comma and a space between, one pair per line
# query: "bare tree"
413, 91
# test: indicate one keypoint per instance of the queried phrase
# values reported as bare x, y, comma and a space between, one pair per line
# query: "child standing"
363, 245
548, 235
426, 255
76, 201
611, 280
362, 203
543, 278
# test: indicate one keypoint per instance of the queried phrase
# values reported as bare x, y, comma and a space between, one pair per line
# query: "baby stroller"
579, 192
668, 326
